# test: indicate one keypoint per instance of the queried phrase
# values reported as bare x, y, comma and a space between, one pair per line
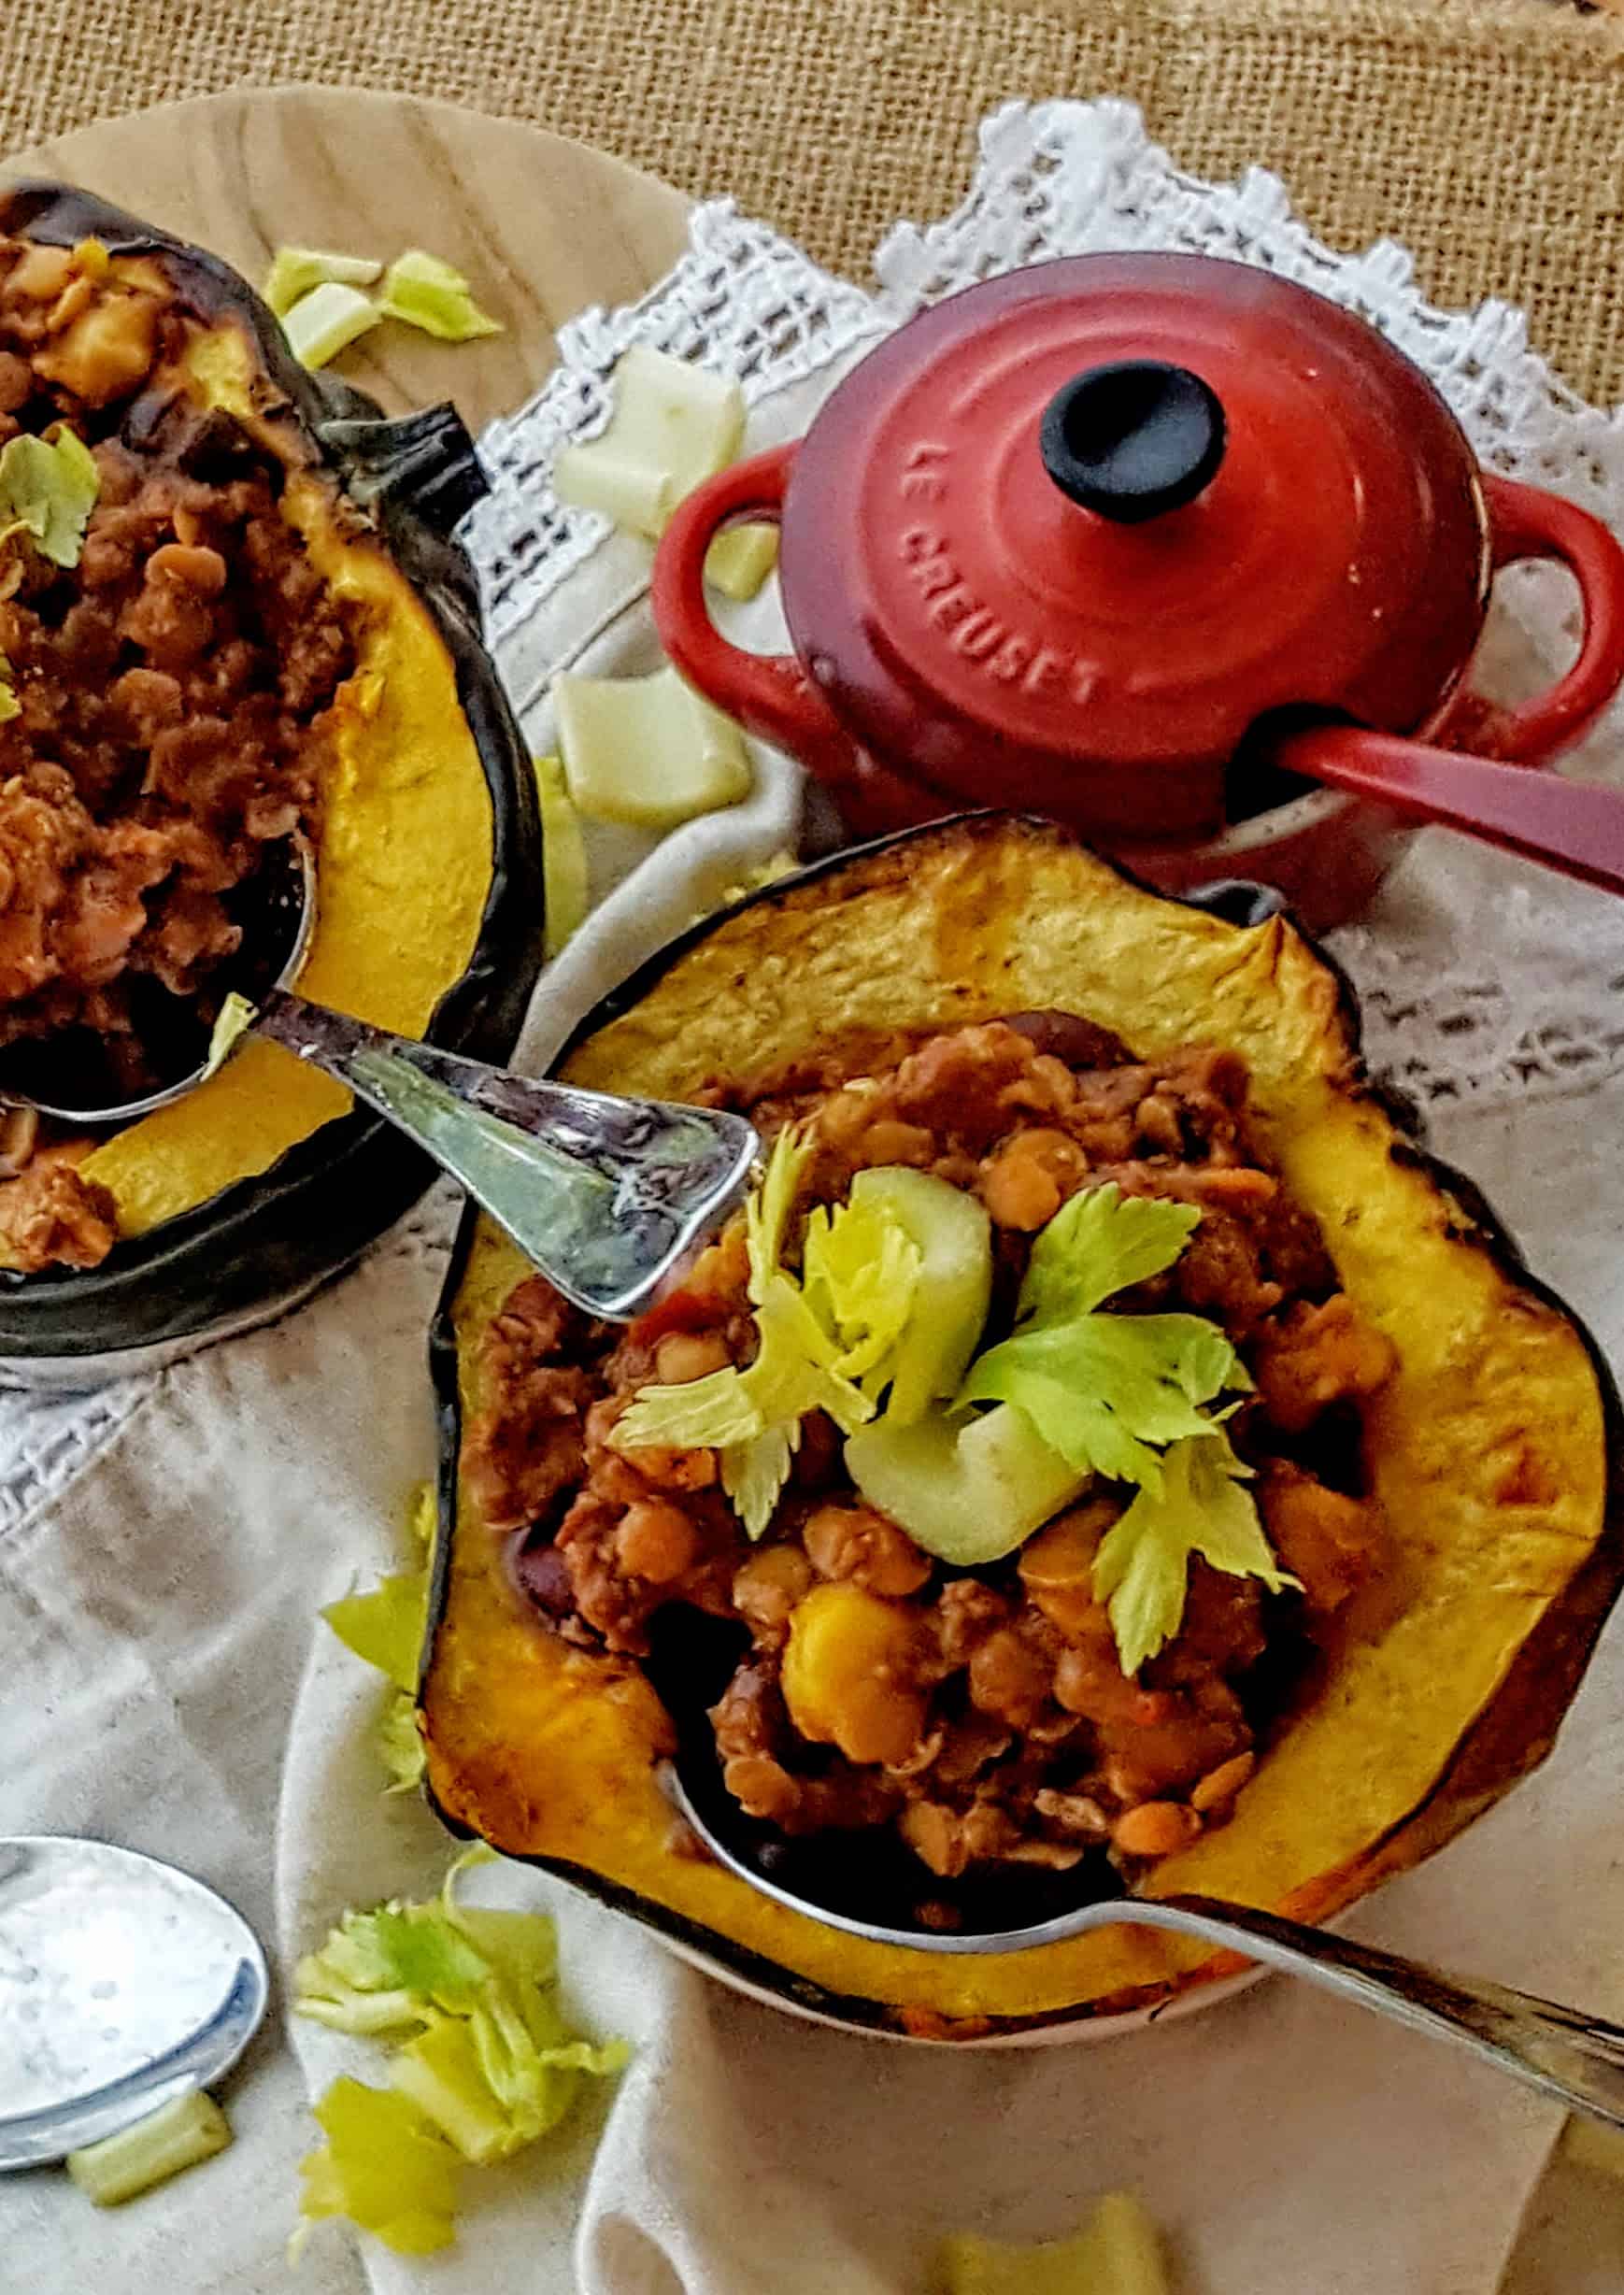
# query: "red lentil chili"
172, 694
1008, 1734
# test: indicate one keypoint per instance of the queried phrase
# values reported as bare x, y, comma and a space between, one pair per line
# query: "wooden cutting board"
542, 226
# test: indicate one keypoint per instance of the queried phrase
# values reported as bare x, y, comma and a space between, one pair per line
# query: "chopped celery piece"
425, 293
323, 322
739, 560
295, 270
400, 1743
1117, 2252
753, 1417
439, 2071
647, 750
1142, 1568
384, 2167
9, 704
673, 426
1106, 1389
176, 2136
966, 1490
48, 489
236, 1015
488, 2060
416, 1958
951, 1231
564, 856
385, 1628
860, 1268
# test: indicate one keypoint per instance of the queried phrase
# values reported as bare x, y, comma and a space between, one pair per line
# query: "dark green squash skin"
1548, 1667
272, 1237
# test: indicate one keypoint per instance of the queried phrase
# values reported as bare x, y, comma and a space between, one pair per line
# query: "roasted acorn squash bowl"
1491, 1448
264, 1180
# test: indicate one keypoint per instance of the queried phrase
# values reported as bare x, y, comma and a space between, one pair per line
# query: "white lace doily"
1483, 980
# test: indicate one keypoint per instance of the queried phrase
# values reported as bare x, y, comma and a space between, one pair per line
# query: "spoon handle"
1577, 2060
1576, 827
603, 1195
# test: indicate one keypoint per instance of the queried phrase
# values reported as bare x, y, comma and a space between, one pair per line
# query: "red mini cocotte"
1068, 539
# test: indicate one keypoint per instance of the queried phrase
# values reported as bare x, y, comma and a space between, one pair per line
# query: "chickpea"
190, 566
1009, 1679
655, 1541
1155, 1829
1158, 1122
1023, 1183
724, 1267
1057, 1568
685, 1355
935, 1835
887, 1140
766, 1587
675, 1470
760, 1786
865, 1545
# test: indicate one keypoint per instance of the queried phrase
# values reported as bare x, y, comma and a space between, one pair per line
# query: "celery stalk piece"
673, 426
564, 856
647, 750
967, 1489
384, 1627
423, 292
384, 2167
235, 1017
739, 560
440, 2071
295, 270
181, 2134
324, 322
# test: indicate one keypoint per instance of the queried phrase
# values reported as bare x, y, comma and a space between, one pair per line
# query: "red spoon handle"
1574, 826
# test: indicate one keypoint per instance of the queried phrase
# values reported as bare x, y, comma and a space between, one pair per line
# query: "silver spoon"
604, 1195
1577, 2060
123, 1984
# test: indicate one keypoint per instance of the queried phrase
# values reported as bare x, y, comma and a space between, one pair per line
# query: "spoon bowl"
869, 1889
123, 1984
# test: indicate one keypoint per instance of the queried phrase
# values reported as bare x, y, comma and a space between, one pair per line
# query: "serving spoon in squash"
872, 1889
607, 1196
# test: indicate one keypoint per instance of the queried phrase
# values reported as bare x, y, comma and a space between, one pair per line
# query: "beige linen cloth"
164, 1682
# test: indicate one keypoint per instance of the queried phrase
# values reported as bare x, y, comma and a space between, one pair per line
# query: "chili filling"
1007, 1732
166, 707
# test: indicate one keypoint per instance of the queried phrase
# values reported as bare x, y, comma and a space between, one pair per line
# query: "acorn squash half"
428, 864
1494, 1449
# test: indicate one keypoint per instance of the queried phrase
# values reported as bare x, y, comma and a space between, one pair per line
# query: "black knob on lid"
1133, 440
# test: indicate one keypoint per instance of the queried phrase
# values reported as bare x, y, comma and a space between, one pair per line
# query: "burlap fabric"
1485, 133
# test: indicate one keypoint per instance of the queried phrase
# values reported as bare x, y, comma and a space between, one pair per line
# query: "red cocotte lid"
1077, 529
